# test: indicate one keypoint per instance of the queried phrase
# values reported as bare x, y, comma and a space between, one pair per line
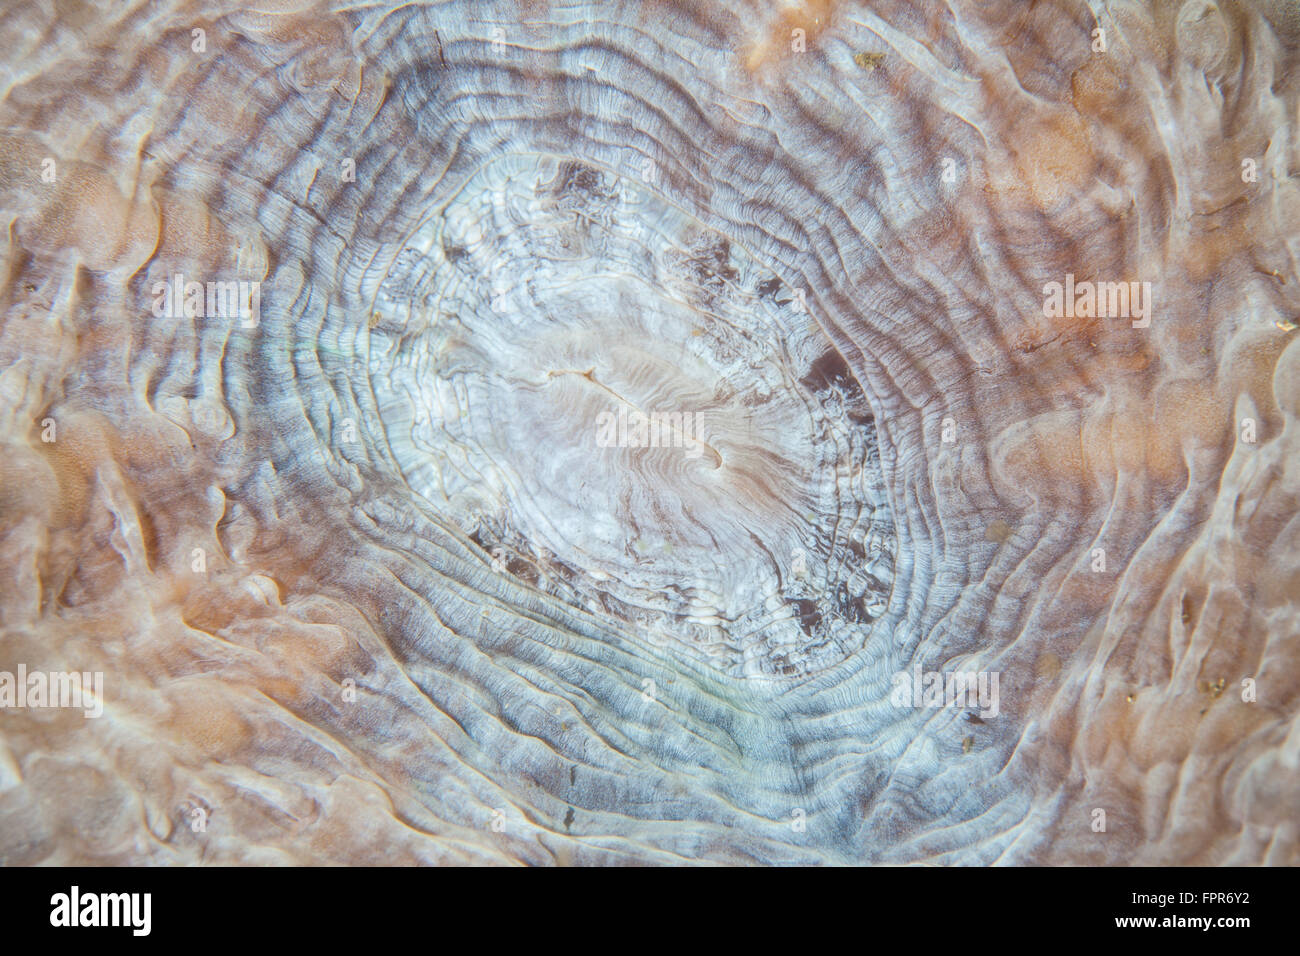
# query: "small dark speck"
568, 819
573, 777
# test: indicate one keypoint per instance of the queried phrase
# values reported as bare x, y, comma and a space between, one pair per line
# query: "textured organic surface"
627, 404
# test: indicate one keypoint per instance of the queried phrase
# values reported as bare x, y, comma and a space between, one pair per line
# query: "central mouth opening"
625, 410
